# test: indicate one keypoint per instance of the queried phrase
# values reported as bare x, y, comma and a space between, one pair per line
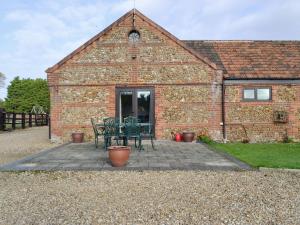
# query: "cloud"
274, 21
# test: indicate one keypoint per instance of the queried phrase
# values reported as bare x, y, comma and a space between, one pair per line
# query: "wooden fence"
10, 120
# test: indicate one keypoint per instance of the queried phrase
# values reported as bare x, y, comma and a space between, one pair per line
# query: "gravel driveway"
19, 143
169, 197
174, 197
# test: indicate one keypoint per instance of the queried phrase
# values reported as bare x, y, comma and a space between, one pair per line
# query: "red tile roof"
252, 59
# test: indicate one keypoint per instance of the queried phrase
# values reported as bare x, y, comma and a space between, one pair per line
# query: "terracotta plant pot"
188, 136
119, 155
77, 137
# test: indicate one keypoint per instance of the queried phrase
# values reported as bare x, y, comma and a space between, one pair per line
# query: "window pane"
263, 94
144, 106
249, 94
125, 105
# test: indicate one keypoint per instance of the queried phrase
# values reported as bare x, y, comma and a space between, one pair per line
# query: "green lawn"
277, 155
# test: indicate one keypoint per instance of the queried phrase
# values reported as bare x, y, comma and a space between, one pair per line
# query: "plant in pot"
188, 136
77, 136
119, 155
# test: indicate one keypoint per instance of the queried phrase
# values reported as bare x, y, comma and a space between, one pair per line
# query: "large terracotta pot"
77, 137
188, 136
118, 155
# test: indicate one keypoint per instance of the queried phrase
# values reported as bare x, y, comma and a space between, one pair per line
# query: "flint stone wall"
86, 83
187, 90
84, 95
189, 108
171, 74
254, 120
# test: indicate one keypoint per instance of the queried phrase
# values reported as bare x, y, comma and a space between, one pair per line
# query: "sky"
36, 34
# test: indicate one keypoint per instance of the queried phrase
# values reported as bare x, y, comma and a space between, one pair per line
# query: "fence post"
13, 125
2, 119
30, 120
35, 121
40, 119
46, 119
23, 120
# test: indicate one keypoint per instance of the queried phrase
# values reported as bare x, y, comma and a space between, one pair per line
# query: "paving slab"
168, 155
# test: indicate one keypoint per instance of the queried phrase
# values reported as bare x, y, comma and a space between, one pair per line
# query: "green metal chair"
97, 132
133, 130
147, 131
111, 130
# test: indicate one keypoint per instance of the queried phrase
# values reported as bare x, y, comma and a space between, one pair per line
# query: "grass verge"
275, 155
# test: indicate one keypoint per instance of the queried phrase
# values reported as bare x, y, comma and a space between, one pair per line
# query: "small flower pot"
178, 137
188, 136
77, 137
118, 155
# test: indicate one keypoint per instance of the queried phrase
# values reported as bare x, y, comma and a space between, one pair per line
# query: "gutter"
262, 81
262, 78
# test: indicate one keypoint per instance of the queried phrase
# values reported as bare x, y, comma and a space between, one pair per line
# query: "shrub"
245, 141
205, 139
287, 139
23, 94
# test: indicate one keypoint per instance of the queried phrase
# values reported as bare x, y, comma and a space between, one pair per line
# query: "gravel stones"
169, 197
140, 197
20, 143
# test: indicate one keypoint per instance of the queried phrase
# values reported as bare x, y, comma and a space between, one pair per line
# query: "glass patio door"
125, 104
138, 102
143, 105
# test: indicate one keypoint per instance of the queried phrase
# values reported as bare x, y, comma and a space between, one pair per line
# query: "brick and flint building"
231, 90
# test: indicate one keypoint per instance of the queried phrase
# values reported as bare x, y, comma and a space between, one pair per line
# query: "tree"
2, 104
23, 94
2, 79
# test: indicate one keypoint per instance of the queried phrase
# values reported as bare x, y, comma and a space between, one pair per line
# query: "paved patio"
167, 156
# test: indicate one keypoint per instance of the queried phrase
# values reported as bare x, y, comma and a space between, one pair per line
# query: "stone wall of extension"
187, 90
254, 120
